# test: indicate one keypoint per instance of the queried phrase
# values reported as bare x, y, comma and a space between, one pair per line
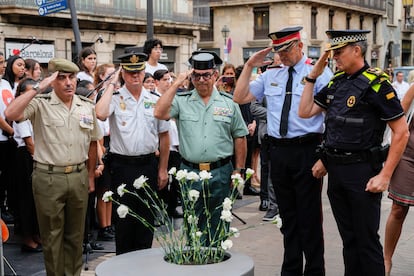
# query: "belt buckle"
68, 169
204, 166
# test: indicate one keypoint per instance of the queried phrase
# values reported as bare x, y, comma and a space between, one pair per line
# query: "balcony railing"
197, 11
377, 5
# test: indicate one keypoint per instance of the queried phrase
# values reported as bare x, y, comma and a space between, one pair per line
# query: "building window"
314, 29
331, 16
261, 22
390, 12
374, 30
405, 52
361, 22
348, 20
209, 34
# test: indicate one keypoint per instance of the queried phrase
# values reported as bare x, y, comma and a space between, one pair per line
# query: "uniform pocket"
52, 129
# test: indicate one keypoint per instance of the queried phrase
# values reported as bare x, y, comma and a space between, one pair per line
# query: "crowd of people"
80, 130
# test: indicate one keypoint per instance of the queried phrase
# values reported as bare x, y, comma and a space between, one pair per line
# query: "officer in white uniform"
135, 137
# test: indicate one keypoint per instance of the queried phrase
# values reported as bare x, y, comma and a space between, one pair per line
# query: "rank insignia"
122, 104
223, 111
351, 101
390, 95
303, 81
148, 105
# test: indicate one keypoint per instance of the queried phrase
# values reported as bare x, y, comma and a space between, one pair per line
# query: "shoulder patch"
225, 94
83, 98
184, 93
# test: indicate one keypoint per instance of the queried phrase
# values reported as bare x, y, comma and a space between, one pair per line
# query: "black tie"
286, 105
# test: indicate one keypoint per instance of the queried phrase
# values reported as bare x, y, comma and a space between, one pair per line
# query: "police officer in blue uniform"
292, 151
359, 101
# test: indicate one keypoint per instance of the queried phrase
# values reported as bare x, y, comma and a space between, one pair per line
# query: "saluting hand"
258, 58
320, 65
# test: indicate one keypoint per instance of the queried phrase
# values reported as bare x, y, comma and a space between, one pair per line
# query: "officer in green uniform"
211, 129
65, 130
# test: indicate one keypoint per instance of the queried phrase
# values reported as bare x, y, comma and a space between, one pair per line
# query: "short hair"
159, 74
363, 45
148, 76
150, 44
22, 86
84, 83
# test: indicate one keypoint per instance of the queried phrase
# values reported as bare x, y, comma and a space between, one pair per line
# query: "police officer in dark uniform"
293, 141
359, 101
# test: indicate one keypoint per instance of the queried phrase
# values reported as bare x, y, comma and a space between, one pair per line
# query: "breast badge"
122, 104
351, 101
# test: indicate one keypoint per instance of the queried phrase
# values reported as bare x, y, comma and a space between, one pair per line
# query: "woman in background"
32, 69
23, 134
87, 64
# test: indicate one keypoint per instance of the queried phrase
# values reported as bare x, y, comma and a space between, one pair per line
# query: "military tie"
286, 105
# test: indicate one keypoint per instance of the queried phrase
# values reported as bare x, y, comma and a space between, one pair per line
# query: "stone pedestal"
151, 262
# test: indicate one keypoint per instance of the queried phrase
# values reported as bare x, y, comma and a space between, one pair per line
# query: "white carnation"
122, 211
121, 190
139, 182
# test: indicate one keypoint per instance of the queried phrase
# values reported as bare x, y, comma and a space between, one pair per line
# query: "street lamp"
225, 32
407, 4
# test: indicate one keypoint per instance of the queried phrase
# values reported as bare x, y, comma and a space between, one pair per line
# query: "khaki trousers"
61, 201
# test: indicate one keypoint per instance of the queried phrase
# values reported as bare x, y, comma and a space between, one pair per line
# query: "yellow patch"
351, 101
390, 95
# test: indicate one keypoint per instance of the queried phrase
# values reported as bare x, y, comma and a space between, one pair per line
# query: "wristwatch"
36, 87
310, 80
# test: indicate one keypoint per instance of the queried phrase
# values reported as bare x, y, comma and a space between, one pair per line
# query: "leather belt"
136, 159
304, 139
59, 169
208, 166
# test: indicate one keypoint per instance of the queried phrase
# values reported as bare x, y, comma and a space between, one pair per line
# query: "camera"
228, 80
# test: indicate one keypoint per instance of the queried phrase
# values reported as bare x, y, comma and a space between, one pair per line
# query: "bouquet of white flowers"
186, 245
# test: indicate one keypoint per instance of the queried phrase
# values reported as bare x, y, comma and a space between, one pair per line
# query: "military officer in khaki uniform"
211, 130
66, 131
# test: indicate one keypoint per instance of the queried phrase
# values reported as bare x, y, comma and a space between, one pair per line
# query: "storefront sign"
40, 52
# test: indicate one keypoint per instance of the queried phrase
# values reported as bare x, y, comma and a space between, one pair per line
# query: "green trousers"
61, 201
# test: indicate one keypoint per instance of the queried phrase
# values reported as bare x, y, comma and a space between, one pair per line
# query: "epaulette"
381, 76
184, 93
226, 94
44, 96
155, 93
83, 98
336, 75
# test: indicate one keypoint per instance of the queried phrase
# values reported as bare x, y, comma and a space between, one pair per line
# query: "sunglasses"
206, 76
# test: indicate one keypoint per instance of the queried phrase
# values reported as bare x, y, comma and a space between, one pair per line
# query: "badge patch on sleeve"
351, 101
390, 95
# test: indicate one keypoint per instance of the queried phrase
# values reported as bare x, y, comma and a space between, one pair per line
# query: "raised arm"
15, 110
102, 106
163, 106
307, 108
241, 93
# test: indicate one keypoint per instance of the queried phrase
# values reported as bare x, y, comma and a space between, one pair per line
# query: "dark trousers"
8, 170
299, 199
264, 169
357, 214
171, 192
130, 233
26, 206
218, 189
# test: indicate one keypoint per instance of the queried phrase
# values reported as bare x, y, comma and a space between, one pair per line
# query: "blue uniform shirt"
272, 85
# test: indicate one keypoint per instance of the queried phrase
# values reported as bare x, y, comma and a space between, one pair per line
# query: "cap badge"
134, 59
